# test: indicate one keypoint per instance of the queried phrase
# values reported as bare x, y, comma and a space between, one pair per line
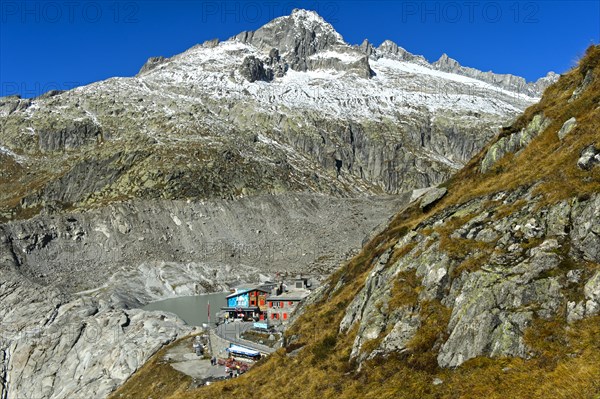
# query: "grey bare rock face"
74, 135
253, 69
589, 77
389, 49
590, 156
431, 197
59, 346
298, 233
152, 63
297, 37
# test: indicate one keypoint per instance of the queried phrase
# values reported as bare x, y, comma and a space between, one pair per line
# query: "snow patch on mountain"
344, 57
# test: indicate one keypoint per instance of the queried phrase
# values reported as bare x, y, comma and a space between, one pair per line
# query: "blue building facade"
249, 304
238, 300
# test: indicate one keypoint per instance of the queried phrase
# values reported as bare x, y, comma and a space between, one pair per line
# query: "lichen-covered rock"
365, 310
566, 128
514, 142
575, 311
559, 219
13, 103
590, 306
402, 332
592, 295
587, 80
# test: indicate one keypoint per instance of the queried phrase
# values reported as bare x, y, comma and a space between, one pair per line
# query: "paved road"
183, 359
232, 331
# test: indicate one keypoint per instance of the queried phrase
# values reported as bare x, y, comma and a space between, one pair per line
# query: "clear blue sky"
60, 44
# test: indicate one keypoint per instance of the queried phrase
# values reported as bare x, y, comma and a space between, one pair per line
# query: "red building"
280, 307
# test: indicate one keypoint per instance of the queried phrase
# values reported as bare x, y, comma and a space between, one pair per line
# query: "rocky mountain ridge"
312, 114
506, 81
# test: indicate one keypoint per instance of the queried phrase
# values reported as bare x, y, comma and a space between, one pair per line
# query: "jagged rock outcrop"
431, 197
152, 63
389, 49
493, 304
587, 80
297, 37
10, 104
51, 93
253, 69
367, 47
343, 60
514, 142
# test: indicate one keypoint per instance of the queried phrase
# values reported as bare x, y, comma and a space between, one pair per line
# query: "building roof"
289, 296
246, 290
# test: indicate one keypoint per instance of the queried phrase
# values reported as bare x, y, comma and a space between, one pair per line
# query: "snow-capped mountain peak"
295, 89
300, 21
296, 37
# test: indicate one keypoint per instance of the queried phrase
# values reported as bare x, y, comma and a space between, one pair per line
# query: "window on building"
290, 303
285, 316
270, 304
280, 304
262, 302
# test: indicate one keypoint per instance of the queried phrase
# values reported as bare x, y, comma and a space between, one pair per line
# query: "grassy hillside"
564, 360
